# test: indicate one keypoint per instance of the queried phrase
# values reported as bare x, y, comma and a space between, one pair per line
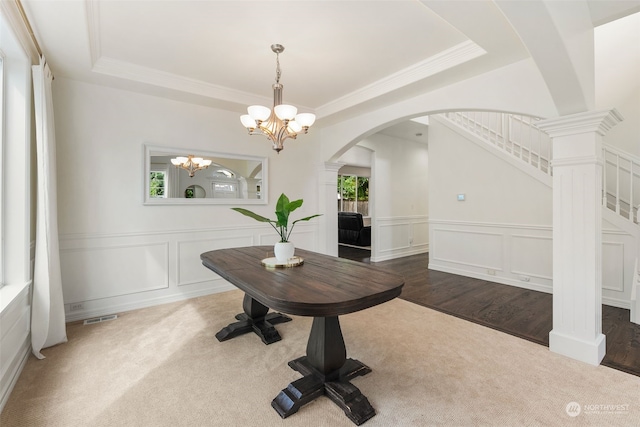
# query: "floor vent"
100, 319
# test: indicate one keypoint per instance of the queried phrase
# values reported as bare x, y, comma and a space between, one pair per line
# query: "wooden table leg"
256, 318
326, 371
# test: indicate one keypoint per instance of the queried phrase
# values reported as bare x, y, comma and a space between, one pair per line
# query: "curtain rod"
23, 15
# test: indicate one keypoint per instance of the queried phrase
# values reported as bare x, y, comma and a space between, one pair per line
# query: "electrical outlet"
525, 278
491, 272
76, 306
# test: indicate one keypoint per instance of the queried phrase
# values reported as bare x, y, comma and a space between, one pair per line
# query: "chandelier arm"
284, 134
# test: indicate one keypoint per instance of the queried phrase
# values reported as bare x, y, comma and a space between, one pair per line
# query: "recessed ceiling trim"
126, 70
458, 54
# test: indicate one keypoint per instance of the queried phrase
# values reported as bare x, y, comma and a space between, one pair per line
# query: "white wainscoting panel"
480, 249
106, 274
190, 268
114, 270
420, 234
521, 255
398, 237
512, 254
613, 266
532, 256
393, 237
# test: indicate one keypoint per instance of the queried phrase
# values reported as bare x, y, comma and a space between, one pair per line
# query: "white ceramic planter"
284, 251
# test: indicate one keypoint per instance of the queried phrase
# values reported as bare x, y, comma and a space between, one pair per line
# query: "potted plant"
284, 249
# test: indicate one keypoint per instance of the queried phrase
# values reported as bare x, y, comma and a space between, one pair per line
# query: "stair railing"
520, 137
621, 183
515, 134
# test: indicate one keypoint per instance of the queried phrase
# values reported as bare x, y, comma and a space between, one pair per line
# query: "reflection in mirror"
194, 192
171, 178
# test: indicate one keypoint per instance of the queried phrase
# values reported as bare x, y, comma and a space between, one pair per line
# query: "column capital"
333, 166
587, 122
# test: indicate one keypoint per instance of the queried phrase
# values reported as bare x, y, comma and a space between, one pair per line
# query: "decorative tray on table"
273, 262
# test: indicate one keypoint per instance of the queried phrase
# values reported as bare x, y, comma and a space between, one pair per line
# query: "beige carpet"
162, 366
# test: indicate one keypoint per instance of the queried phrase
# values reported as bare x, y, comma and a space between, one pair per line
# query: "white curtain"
47, 309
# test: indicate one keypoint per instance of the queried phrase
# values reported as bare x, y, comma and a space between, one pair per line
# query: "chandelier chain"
278, 72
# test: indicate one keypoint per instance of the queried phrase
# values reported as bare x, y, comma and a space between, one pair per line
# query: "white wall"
399, 205
502, 232
517, 87
118, 254
617, 67
495, 190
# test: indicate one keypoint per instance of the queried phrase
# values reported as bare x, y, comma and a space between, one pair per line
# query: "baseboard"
107, 308
489, 278
613, 302
401, 253
14, 373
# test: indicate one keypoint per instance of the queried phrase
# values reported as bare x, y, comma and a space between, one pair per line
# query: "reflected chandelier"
283, 121
191, 164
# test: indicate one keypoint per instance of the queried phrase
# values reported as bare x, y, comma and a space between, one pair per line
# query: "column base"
591, 352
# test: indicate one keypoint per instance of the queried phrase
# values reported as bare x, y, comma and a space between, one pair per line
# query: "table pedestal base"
254, 319
327, 372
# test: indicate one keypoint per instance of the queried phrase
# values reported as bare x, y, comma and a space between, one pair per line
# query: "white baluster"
604, 177
631, 190
520, 136
540, 150
530, 142
617, 183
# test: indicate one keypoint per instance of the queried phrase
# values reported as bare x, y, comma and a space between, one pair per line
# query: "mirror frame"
149, 150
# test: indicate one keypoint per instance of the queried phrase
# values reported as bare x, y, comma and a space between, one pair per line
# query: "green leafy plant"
284, 207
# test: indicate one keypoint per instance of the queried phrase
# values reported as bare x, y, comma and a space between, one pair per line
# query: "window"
157, 184
17, 216
158, 181
353, 194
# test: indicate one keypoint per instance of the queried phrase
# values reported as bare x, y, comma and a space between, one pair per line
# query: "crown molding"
126, 70
457, 55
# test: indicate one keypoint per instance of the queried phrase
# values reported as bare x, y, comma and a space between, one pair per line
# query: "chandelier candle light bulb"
281, 122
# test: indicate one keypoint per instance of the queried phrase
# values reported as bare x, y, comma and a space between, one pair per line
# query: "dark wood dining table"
323, 287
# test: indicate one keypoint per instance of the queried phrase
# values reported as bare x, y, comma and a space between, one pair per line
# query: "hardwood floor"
516, 311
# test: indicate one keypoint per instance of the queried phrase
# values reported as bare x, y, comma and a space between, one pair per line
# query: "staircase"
518, 138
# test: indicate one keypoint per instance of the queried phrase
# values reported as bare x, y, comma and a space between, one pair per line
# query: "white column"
577, 233
328, 182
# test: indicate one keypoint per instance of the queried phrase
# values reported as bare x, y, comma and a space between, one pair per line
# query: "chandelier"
191, 164
283, 121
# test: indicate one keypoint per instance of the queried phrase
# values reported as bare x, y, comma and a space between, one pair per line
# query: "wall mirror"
182, 176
